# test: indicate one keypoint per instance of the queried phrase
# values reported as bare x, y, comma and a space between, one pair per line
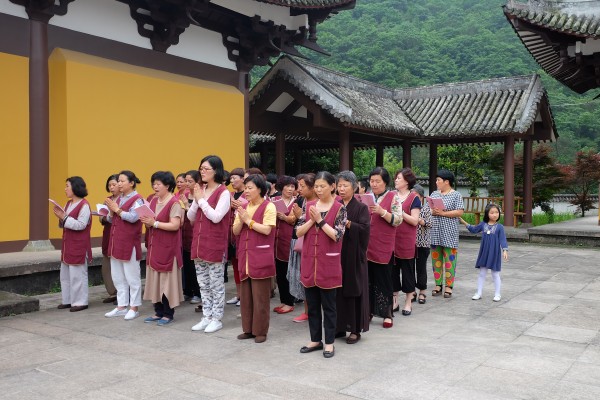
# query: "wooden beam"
528, 183
433, 166
344, 138
509, 181
406, 154
291, 109
379, 155
280, 154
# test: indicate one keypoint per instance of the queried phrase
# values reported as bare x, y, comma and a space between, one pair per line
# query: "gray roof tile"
310, 3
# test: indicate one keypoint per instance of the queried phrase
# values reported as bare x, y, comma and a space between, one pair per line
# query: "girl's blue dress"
493, 241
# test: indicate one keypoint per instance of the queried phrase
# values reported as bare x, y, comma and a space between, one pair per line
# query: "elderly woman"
386, 214
423, 244
255, 226
444, 233
353, 296
406, 237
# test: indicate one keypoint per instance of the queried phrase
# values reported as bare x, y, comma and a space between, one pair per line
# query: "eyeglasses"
205, 169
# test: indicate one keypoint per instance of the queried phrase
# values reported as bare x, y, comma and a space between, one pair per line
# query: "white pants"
74, 284
128, 281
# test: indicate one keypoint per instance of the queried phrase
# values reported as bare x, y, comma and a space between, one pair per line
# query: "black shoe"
406, 312
306, 349
329, 354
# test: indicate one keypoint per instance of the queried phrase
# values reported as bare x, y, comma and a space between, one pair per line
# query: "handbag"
298, 244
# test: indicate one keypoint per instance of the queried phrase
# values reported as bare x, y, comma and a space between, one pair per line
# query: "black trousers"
164, 309
190, 281
421, 266
407, 267
282, 283
318, 298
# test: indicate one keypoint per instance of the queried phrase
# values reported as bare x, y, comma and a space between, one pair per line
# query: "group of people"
316, 236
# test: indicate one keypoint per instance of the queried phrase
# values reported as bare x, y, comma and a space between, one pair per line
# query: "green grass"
538, 219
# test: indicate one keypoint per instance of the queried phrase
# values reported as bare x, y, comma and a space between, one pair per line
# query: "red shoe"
281, 310
388, 324
276, 309
301, 318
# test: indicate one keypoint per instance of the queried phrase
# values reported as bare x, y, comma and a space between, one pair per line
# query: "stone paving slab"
541, 341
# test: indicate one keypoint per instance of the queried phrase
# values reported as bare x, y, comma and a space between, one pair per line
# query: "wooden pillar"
344, 137
379, 155
527, 183
244, 87
406, 154
509, 181
433, 166
298, 161
264, 155
351, 168
280, 154
39, 135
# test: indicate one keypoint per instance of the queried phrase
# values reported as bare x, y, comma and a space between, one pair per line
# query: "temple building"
93, 87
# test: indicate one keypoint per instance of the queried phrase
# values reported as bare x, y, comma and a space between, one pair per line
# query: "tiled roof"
310, 3
481, 108
581, 18
350, 100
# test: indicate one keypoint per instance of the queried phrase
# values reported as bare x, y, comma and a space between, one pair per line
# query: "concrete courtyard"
541, 341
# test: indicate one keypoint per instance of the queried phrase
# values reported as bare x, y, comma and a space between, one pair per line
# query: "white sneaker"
214, 326
476, 296
497, 297
116, 313
131, 315
195, 300
200, 326
237, 304
233, 300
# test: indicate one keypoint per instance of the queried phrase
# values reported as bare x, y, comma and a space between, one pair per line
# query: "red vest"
210, 239
76, 245
321, 257
187, 234
283, 237
105, 235
125, 236
163, 246
383, 235
256, 248
406, 234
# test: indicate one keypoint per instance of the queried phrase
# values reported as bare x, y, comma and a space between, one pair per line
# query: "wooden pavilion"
562, 36
302, 107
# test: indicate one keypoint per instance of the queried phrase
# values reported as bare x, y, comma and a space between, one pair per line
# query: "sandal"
447, 294
436, 291
422, 299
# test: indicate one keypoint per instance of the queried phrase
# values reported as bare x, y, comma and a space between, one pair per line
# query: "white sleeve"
216, 214
192, 211
82, 220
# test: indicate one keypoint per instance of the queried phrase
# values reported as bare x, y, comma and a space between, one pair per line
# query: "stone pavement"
541, 341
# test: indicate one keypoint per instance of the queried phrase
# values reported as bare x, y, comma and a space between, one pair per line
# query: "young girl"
493, 248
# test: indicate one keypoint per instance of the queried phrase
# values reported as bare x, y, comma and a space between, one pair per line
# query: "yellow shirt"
269, 217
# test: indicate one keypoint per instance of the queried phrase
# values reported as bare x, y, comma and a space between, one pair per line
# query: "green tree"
467, 161
582, 178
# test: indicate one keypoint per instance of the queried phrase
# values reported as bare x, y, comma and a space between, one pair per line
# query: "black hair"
285, 180
130, 177
309, 179
217, 165
364, 182
78, 186
486, 212
272, 178
113, 177
164, 177
194, 174
409, 177
385, 175
446, 176
259, 182
226, 180
327, 177
181, 175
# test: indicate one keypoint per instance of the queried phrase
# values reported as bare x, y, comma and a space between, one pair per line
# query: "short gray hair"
348, 176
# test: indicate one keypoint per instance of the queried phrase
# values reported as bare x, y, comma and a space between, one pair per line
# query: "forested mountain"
405, 43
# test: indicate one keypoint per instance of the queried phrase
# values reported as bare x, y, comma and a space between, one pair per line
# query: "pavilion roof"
580, 18
310, 3
491, 107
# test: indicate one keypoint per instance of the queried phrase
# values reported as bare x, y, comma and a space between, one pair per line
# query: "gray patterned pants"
212, 288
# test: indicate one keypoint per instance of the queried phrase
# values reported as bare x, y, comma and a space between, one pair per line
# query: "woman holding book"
112, 188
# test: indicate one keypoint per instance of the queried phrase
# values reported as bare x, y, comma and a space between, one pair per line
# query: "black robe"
353, 297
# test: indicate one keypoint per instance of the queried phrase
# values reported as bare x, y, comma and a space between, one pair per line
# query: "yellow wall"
14, 147
107, 116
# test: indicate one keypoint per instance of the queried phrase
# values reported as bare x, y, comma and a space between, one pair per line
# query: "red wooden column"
344, 137
528, 183
379, 155
351, 157
406, 154
244, 87
280, 154
433, 166
509, 181
39, 133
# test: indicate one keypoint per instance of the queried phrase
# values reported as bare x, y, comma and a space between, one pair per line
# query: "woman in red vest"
322, 225
191, 290
255, 226
406, 239
76, 221
385, 216
164, 258
210, 215
112, 188
286, 185
125, 247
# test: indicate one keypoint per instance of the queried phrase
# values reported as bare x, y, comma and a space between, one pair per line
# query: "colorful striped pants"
444, 258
